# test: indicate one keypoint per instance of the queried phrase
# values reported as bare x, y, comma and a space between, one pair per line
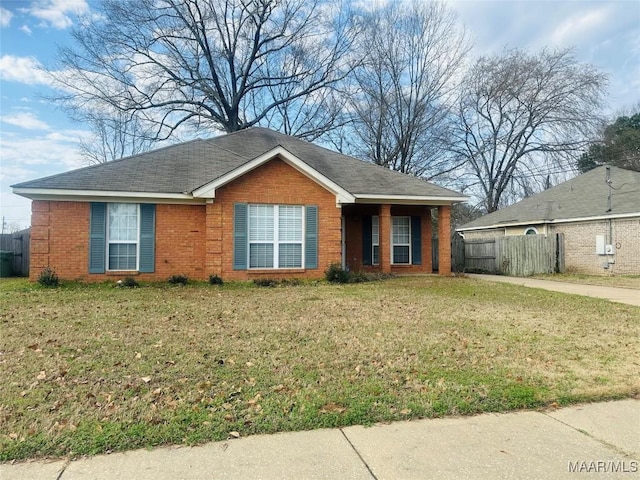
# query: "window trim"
109, 242
393, 244
375, 233
276, 242
531, 229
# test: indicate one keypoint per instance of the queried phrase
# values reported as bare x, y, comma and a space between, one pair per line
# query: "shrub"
128, 282
178, 279
359, 277
48, 278
215, 280
336, 274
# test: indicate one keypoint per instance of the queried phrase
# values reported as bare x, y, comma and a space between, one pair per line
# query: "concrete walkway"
600, 440
615, 294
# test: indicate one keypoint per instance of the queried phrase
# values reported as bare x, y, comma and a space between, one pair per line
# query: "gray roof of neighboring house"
581, 197
185, 167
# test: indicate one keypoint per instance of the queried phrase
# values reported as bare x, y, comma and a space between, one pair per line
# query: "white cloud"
5, 17
25, 29
26, 70
26, 120
57, 13
27, 157
55, 152
578, 25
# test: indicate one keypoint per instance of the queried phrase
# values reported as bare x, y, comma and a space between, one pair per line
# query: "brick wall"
580, 246
276, 183
60, 240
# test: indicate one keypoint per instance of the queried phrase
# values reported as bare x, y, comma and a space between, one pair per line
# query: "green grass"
91, 368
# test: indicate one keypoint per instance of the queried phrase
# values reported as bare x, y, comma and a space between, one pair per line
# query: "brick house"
246, 205
598, 212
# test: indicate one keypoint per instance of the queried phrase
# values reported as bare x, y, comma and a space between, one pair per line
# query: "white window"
275, 236
531, 231
401, 240
123, 233
375, 240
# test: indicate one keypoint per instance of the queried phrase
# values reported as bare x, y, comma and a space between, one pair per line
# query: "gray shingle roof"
185, 167
581, 197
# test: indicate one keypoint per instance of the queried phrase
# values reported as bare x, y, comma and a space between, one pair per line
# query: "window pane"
290, 223
401, 230
401, 254
123, 222
376, 255
290, 255
261, 223
122, 256
375, 230
261, 255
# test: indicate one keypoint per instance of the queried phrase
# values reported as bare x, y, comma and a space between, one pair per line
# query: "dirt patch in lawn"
95, 369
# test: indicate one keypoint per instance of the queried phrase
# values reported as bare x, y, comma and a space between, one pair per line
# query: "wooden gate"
18, 243
518, 255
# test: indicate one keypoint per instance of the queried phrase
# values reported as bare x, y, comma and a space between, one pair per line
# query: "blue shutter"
240, 240
97, 237
147, 238
367, 240
311, 237
416, 241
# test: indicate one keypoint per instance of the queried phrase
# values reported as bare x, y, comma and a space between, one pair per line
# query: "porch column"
385, 238
444, 239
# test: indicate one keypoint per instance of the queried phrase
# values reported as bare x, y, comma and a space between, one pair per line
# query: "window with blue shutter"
416, 241
97, 237
117, 241
367, 243
311, 237
240, 239
147, 238
272, 236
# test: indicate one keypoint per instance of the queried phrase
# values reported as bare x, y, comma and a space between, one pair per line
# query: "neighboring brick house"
598, 212
246, 205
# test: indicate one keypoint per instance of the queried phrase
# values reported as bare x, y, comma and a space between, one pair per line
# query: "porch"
395, 238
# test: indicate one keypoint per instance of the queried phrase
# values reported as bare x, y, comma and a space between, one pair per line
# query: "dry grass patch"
623, 281
94, 369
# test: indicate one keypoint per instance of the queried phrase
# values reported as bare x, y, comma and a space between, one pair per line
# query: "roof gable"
190, 169
583, 197
208, 190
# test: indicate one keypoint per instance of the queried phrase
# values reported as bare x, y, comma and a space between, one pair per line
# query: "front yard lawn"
91, 369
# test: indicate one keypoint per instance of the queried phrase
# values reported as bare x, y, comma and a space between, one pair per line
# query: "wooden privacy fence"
18, 243
518, 256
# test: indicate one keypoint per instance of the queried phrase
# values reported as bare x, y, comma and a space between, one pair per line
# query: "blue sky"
37, 140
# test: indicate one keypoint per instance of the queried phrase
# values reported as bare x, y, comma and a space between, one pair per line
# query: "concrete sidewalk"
615, 294
600, 440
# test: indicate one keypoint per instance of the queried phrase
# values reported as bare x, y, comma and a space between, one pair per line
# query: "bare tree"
223, 64
400, 101
114, 136
523, 117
